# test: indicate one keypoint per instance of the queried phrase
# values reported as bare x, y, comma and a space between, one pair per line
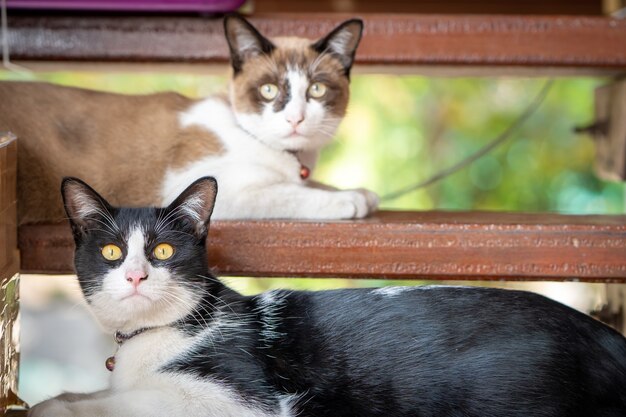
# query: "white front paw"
348, 205
51, 408
372, 199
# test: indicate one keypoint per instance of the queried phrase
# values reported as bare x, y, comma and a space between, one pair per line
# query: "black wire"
532, 107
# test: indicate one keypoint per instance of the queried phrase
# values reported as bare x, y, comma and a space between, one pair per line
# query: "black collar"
123, 337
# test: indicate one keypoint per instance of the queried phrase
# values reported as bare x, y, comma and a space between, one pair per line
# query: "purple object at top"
213, 6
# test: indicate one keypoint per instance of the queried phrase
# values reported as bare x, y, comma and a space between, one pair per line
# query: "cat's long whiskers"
168, 295
107, 216
319, 58
168, 220
94, 229
105, 224
160, 222
207, 292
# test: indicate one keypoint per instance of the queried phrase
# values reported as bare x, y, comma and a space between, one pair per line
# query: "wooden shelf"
590, 44
400, 245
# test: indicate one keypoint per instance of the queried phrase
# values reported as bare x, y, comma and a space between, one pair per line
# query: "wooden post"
610, 134
610, 139
9, 277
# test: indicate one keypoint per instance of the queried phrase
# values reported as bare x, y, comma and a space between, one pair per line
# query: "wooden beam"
593, 43
399, 245
561, 7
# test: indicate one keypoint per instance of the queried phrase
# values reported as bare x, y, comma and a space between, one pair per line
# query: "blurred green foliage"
402, 129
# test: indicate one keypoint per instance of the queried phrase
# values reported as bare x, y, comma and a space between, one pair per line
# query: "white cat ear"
83, 205
244, 41
342, 42
196, 203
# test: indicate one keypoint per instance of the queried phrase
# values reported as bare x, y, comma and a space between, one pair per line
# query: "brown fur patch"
294, 53
121, 145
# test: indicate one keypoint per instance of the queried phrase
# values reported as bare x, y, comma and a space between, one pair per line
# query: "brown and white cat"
287, 97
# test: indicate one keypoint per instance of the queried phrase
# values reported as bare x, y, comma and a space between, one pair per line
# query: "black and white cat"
190, 346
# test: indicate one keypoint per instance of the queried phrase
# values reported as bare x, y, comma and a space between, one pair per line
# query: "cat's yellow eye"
111, 252
268, 91
317, 90
163, 251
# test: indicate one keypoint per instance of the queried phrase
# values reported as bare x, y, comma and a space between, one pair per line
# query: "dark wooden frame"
429, 245
399, 245
593, 45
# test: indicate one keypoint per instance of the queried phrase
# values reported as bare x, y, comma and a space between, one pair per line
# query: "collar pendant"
119, 339
305, 172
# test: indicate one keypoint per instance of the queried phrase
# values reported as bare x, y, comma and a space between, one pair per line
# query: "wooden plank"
400, 245
594, 43
563, 7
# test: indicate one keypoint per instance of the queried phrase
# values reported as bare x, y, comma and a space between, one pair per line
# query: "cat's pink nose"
295, 119
135, 277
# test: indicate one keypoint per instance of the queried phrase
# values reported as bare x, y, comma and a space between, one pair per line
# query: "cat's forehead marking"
297, 84
136, 243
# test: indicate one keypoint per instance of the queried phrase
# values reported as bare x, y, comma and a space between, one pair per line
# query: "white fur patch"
392, 291
193, 207
85, 205
269, 305
341, 41
140, 388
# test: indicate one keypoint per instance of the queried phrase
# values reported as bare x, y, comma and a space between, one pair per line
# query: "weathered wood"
563, 7
9, 268
610, 131
8, 205
401, 245
594, 43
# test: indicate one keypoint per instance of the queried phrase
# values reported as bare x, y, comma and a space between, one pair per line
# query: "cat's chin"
300, 143
136, 296
128, 313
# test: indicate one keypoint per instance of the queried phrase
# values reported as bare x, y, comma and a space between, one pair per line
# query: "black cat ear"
244, 41
84, 206
195, 204
342, 42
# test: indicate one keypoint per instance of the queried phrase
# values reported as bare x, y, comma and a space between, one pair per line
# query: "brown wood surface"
579, 7
9, 267
9, 257
595, 43
406, 245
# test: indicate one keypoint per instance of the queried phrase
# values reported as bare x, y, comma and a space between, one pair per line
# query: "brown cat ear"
244, 41
195, 204
85, 208
342, 42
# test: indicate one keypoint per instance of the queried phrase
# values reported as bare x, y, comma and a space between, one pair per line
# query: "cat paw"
51, 408
348, 205
372, 199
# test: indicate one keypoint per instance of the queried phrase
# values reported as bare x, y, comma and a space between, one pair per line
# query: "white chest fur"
140, 387
139, 367
256, 180
246, 163
140, 358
